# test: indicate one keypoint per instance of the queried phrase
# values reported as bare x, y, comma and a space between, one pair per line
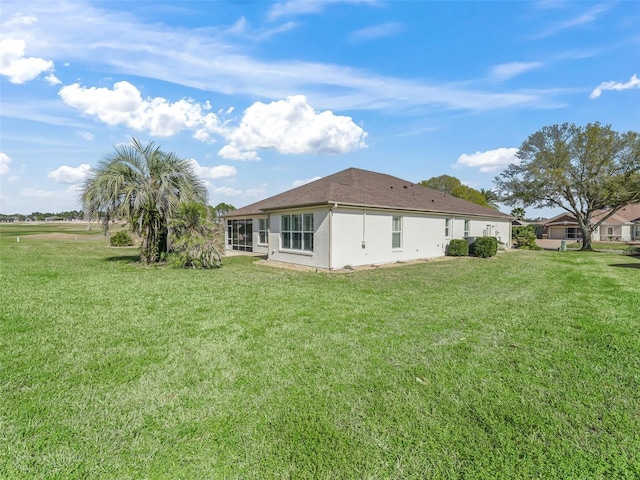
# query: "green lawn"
621, 246
526, 365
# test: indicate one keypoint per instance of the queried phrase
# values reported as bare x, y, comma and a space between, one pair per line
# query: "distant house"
357, 217
622, 226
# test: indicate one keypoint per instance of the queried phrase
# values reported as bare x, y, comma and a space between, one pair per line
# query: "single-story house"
622, 226
357, 217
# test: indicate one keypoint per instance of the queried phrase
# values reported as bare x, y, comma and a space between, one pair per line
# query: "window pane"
296, 241
308, 242
286, 240
395, 240
397, 224
308, 223
297, 223
286, 223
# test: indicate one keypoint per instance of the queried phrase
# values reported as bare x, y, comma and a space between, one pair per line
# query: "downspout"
331, 235
268, 235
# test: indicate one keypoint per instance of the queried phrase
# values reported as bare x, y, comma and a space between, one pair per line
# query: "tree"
198, 241
454, 187
518, 213
490, 197
579, 169
145, 186
222, 209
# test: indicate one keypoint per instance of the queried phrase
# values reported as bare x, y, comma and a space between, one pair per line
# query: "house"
357, 217
622, 226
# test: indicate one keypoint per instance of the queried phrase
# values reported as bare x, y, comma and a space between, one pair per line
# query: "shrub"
195, 252
458, 248
524, 238
632, 250
121, 239
197, 241
485, 247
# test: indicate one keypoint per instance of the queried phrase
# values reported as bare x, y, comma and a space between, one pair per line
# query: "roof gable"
363, 188
627, 214
630, 212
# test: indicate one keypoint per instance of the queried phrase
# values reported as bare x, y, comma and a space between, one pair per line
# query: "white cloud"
296, 7
4, 163
37, 193
123, 105
304, 181
231, 192
303, 7
589, 16
219, 171
206, 60
378, 31
231, 152
16, 66
52, 79
488, 161
88, 136
292, 126
21, 20
633, 83
72, 175
505, 71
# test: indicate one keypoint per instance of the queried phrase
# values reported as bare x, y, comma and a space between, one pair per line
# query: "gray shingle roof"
364, 188
627, 214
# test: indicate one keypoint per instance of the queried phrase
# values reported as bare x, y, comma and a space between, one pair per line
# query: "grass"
620, 246
525, 365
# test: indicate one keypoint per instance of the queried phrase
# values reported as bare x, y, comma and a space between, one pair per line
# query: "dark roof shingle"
361, 188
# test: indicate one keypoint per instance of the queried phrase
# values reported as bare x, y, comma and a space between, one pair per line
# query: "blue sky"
264, 96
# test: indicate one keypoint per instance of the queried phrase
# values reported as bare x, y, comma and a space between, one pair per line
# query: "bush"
632, 250
524, 238
485, 247
458, 248
121, 239
194, 252
197, 241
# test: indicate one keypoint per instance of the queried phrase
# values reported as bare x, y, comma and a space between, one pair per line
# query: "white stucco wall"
423, 236
355, 236
320, 255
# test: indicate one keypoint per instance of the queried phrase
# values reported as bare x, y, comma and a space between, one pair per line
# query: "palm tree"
145, 186
491, 197
518, 213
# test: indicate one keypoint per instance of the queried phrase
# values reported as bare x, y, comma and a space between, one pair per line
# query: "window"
466, 228
447, 227
263, 227
396, 232
240, 235
609, 231
297, 232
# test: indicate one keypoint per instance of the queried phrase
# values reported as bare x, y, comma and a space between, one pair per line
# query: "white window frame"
467, 228
448, 224
396, 232
297, 232
263, 229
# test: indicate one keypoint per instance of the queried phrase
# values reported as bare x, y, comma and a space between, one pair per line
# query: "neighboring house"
357, 217
622, 226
